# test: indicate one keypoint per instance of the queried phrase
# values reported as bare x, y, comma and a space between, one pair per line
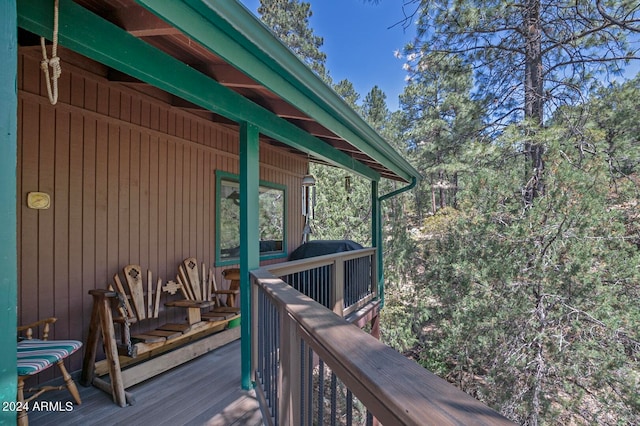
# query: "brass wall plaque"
38, 200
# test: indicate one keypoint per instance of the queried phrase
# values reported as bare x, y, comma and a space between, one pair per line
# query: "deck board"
205, 391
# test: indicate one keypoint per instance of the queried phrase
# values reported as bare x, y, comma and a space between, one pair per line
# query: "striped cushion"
37, 355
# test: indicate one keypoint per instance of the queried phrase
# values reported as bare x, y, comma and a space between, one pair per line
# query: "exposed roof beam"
227, 75
342, 145
315, 129
98, 39
120, 77
142, 23
231, 32
200, 20
285, 110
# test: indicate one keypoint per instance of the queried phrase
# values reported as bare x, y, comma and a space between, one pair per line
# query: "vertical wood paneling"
145, 113
77, 90
46, 181
163, 117
179, 127
132, 180
64, 87
124, 187
144, 200
89, 228
171, 123
90, 95
186, 198
154, 117
28, 232
199, 222
170, 250
162, 208
177, 207
30, 75
61, 223
192, 206
102, 106
114, 103
134, 197
136, 107
125, 107
102, 274
153, 204
113, 184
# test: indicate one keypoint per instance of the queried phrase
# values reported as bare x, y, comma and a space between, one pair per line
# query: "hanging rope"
54, 62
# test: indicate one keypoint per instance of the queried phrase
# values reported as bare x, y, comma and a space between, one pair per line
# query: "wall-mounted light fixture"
347, 184
308, 204
308, 195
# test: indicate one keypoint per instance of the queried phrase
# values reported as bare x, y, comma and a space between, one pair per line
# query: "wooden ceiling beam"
315, 129
140, 22
227, 75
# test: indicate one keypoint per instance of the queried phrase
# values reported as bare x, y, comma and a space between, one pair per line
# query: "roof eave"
281, 65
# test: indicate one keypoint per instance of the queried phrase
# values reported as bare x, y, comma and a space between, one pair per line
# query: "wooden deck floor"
205, 391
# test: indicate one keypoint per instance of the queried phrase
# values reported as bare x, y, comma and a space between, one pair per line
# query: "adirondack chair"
203, 287
36, 355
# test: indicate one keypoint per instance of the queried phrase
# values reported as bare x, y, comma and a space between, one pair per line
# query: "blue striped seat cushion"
37, 355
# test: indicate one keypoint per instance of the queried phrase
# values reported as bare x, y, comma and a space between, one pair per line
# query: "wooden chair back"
197, 285
140, 300
37, 330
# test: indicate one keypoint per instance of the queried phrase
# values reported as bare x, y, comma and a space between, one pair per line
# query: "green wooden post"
376, 238
8, 230
249, 237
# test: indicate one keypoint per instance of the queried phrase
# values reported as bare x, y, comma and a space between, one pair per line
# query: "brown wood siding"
131, 180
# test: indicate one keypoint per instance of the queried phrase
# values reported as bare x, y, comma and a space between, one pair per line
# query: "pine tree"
344, 199
529, 57
289, 21
534, 311
440, 121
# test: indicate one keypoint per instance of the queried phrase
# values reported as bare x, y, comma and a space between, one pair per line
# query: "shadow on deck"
205, 391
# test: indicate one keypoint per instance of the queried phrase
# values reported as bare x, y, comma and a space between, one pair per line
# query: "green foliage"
341, 212
535, 309
530, 307
577, 41
439, 121
289, 21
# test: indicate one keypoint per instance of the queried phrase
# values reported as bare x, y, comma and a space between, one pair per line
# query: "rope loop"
54, 62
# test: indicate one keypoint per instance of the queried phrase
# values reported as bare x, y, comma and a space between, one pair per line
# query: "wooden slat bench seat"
135, 357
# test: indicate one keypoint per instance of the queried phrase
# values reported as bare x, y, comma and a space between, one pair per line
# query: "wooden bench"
134, 357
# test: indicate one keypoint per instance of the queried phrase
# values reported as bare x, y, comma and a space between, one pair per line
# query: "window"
272, 205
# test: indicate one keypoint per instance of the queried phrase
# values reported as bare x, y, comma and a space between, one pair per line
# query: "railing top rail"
395, 389
291, 267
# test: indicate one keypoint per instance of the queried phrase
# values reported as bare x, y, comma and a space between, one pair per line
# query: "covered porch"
164, 106
309, 366
205, 391
166, 111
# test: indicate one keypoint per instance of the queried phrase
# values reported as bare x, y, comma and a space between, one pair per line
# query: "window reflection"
271, 219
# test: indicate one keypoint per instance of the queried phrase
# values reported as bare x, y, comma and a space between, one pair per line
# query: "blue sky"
359, 43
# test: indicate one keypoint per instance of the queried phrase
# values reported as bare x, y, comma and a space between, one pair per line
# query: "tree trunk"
454, 201
434, 206
534, 102
443, 194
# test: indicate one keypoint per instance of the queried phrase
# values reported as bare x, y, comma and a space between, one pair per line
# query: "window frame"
222, 175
